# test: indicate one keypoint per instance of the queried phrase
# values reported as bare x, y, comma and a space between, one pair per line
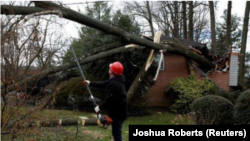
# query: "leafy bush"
185, 90
242, 109
232, 96
81, 98
212, 109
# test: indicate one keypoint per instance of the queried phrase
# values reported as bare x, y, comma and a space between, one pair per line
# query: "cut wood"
65, 122
151, 57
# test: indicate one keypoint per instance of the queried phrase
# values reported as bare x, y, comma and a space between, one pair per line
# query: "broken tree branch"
72, 65
109, 29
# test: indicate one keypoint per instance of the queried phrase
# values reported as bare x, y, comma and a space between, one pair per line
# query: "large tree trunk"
108, 29
228, 35
176, 20
211, 6
191, 26
243, 44
136, 83
150, 20
184, 12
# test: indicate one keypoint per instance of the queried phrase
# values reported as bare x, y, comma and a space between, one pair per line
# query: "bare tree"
22, 44
167, 16
142, 10
201, 23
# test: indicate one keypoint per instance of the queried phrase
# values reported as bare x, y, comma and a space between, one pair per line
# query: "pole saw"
83, 77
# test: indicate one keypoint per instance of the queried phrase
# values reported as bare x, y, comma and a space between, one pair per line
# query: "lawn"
89, 133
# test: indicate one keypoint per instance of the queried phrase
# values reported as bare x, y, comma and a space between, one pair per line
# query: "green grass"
89, 133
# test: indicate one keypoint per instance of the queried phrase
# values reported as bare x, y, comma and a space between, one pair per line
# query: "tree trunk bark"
191, 13
184, 12
150, 20
228, 38
136, 83
243, 44
211, 6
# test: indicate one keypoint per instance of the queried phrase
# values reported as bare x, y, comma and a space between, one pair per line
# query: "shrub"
74, 88
212, 109
242, 109
232, 96
185, 90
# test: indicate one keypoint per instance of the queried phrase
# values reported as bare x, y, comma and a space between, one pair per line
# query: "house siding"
234, 69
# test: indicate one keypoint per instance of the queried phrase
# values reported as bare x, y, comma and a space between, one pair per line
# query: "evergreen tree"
91, 38
221, 48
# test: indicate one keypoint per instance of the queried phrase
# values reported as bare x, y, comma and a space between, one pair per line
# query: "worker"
115, 101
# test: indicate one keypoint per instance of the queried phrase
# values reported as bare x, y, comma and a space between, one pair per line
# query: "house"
174, 66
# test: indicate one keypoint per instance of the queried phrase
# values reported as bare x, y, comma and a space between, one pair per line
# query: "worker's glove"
97, 109
85, 82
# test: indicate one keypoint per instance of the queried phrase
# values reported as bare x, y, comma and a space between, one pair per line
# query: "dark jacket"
116, 100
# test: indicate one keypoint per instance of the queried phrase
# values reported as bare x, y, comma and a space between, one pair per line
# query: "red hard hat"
116, 68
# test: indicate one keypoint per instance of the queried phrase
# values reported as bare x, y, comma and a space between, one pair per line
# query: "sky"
238, 8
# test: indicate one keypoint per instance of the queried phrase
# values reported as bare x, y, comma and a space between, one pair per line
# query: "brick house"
174, 66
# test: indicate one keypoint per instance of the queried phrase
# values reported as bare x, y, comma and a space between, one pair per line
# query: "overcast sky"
238, 8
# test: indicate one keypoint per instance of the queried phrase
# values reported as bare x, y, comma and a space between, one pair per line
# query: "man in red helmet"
116, 100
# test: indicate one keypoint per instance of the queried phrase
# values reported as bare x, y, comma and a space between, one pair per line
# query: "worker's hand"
97, 109
85, 82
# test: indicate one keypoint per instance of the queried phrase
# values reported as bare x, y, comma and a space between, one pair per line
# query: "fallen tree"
107, 28
126, 37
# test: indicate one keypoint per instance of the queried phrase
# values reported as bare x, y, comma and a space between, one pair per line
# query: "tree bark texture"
191, 26
243, 44
212, 17
184, 12
150, 21
228, 35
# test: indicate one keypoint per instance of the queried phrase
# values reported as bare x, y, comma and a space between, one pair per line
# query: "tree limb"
108, 29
